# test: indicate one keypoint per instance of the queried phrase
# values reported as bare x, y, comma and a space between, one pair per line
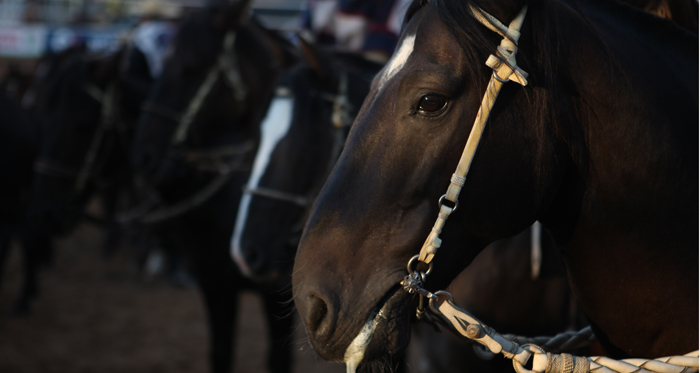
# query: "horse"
194, 147
327, 90
566, 149
86, 112
22, 97
277, 198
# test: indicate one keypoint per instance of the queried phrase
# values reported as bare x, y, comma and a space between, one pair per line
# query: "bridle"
442, 304
505, 69
223, 161
92, 162
226, 66
341, 120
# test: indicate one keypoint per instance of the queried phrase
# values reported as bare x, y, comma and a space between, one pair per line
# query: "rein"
89, 167
441, 303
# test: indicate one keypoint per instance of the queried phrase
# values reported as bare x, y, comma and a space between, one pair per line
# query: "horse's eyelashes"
432, 103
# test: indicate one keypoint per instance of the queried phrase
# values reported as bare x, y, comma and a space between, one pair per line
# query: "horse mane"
550, 109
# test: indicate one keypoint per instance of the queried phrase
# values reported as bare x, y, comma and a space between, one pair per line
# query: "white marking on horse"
357, 348
274, 128
398, 60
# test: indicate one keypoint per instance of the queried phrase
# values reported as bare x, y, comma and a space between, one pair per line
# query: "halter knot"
504, 65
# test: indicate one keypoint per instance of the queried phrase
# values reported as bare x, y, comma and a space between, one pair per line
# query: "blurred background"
103, 302
29, 29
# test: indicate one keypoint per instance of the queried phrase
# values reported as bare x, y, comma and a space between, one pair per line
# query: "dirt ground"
95, 315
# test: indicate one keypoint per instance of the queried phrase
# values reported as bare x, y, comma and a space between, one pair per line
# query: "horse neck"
635, 94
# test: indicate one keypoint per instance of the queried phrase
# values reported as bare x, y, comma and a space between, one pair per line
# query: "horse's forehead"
425, 40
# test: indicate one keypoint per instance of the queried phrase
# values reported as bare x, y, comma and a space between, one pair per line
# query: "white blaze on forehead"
274, 128
398, 60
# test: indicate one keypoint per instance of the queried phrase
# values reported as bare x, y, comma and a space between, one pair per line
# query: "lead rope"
442, 304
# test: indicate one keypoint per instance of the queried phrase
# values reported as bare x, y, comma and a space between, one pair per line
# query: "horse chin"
386, 332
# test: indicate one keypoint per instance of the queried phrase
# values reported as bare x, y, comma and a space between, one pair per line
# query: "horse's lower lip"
366, 343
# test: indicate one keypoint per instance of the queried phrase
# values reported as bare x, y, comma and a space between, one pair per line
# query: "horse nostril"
318, 312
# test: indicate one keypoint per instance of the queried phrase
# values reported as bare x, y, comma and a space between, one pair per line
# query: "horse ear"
312, 56
234, 14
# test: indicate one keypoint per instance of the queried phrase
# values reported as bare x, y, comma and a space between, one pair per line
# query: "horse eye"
431, 103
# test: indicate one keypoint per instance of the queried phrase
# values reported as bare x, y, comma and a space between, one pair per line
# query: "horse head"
534, 161
216, 83
325, 94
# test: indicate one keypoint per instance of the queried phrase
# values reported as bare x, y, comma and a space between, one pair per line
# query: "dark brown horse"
600, 146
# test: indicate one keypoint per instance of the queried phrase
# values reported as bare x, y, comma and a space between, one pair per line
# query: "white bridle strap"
504, 69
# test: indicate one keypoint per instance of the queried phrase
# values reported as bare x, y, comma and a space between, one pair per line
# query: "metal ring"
495, 75
437, 295
441, 202
410, 266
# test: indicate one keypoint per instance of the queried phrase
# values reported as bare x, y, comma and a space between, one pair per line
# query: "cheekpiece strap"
505, 69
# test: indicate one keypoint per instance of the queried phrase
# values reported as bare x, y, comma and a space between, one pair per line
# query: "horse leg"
5, 235
112, 234
217, 281
34, 242
280, 329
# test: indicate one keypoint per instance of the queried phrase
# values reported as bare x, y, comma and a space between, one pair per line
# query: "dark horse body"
601, 147
84, 111
18, 146
218, 144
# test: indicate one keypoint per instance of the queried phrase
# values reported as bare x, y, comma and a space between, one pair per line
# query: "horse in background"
22, 97
18, 147
194, 147
85, 114
573, 162
326, 92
